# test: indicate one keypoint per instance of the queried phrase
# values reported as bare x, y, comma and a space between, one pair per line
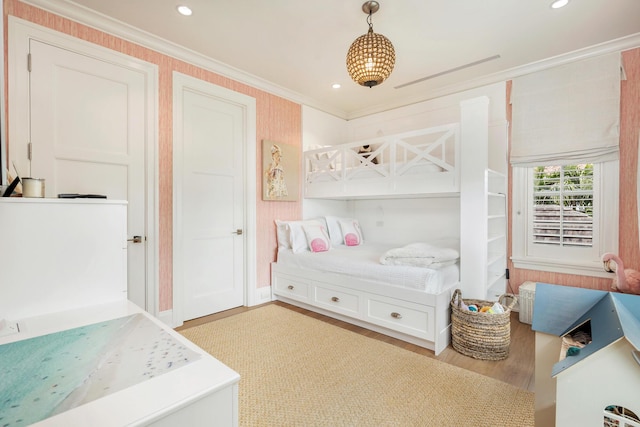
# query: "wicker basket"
485, 336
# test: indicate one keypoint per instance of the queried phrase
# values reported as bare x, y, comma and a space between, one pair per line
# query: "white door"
87, 124
209, 232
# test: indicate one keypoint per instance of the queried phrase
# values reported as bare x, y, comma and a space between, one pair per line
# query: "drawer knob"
290, 287
335, 299
396, 315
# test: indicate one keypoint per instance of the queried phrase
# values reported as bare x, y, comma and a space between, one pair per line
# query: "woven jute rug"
300, 371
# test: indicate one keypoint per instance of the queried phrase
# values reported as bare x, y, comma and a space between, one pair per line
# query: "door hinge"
28, 62
29, 150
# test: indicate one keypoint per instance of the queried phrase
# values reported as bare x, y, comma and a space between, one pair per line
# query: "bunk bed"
419, 163
347, 283
423, 161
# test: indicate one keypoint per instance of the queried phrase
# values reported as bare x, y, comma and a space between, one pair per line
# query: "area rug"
299, 371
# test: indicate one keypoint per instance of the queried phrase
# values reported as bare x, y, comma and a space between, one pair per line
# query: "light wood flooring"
517, 369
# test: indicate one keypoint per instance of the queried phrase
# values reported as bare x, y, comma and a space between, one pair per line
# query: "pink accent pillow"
296, 235
317, 237
351, 232
318, 245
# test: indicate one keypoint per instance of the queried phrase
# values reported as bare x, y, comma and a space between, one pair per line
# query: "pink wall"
629, 249
277, 119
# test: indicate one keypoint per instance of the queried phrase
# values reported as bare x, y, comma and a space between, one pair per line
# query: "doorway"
84, 120
213, 164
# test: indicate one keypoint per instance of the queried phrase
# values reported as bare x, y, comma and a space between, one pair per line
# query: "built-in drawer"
290, 287
401, 316
338, 301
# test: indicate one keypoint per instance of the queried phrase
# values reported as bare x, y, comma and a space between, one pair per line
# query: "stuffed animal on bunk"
365, 151
626, 280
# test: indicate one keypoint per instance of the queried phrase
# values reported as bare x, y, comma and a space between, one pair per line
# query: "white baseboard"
261, 295
166, 317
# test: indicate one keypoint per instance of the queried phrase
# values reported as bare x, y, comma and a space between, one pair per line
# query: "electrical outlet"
264, 293
8, 328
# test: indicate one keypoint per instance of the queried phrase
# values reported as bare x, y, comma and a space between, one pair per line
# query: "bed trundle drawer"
338, 301
292, 288
412, 319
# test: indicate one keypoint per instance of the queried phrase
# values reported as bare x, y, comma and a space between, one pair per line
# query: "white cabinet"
64, 266
69, 252
203, 392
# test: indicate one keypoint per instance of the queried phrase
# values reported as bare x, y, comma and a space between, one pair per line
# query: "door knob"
238, 231
135, 239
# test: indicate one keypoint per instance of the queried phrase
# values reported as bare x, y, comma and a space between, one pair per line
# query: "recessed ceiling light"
336, 86
557, 4
185, 10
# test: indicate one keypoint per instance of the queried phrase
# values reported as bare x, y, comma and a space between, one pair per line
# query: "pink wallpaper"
277, 120
629, 249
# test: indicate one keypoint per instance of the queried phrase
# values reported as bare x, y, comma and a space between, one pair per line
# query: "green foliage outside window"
568, 185
563, 205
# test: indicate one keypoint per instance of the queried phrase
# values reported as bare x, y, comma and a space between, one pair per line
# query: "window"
563, 219
562, 205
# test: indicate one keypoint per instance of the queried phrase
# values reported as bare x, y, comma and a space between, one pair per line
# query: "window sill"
592, 269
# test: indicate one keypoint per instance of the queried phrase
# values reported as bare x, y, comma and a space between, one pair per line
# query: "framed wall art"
281, 172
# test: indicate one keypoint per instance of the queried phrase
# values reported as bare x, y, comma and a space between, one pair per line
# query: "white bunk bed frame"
423, 161
408, 314
339, 172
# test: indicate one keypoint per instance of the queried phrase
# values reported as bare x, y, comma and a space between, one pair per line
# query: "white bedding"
420, 255
371, 171
364, 262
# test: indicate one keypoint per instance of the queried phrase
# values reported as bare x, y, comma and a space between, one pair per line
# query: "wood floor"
517, 369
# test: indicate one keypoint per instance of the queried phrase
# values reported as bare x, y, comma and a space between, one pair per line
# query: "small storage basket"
485, 336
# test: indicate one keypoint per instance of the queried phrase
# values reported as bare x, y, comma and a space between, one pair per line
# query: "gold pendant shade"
371, 57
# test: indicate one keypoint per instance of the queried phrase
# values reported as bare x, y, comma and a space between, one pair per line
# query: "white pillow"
297, 238
351, 232
335, 230
335, 233
317, 237
282, 235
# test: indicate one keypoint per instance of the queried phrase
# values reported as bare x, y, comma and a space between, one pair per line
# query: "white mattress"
371, 171
364, 262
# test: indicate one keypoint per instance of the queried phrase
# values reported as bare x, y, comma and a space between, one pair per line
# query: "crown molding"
617, 45
85, 16
98, 21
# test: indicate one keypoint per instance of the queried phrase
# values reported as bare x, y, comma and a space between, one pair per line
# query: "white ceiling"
300, 46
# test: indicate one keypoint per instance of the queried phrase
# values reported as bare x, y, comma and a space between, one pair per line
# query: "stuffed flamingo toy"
627, 280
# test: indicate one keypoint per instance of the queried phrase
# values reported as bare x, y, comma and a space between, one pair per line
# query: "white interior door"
87, 121
209, 240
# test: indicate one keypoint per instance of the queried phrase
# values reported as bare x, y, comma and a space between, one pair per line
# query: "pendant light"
371, 57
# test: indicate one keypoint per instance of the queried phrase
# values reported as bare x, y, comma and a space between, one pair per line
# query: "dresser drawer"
401, 316
291, 288
337, 300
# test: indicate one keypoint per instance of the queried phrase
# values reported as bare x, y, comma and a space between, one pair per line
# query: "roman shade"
567, 114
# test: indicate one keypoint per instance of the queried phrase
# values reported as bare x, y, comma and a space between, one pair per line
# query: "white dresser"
62, 269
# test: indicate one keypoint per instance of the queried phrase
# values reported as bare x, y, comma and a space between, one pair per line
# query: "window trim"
605, 226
